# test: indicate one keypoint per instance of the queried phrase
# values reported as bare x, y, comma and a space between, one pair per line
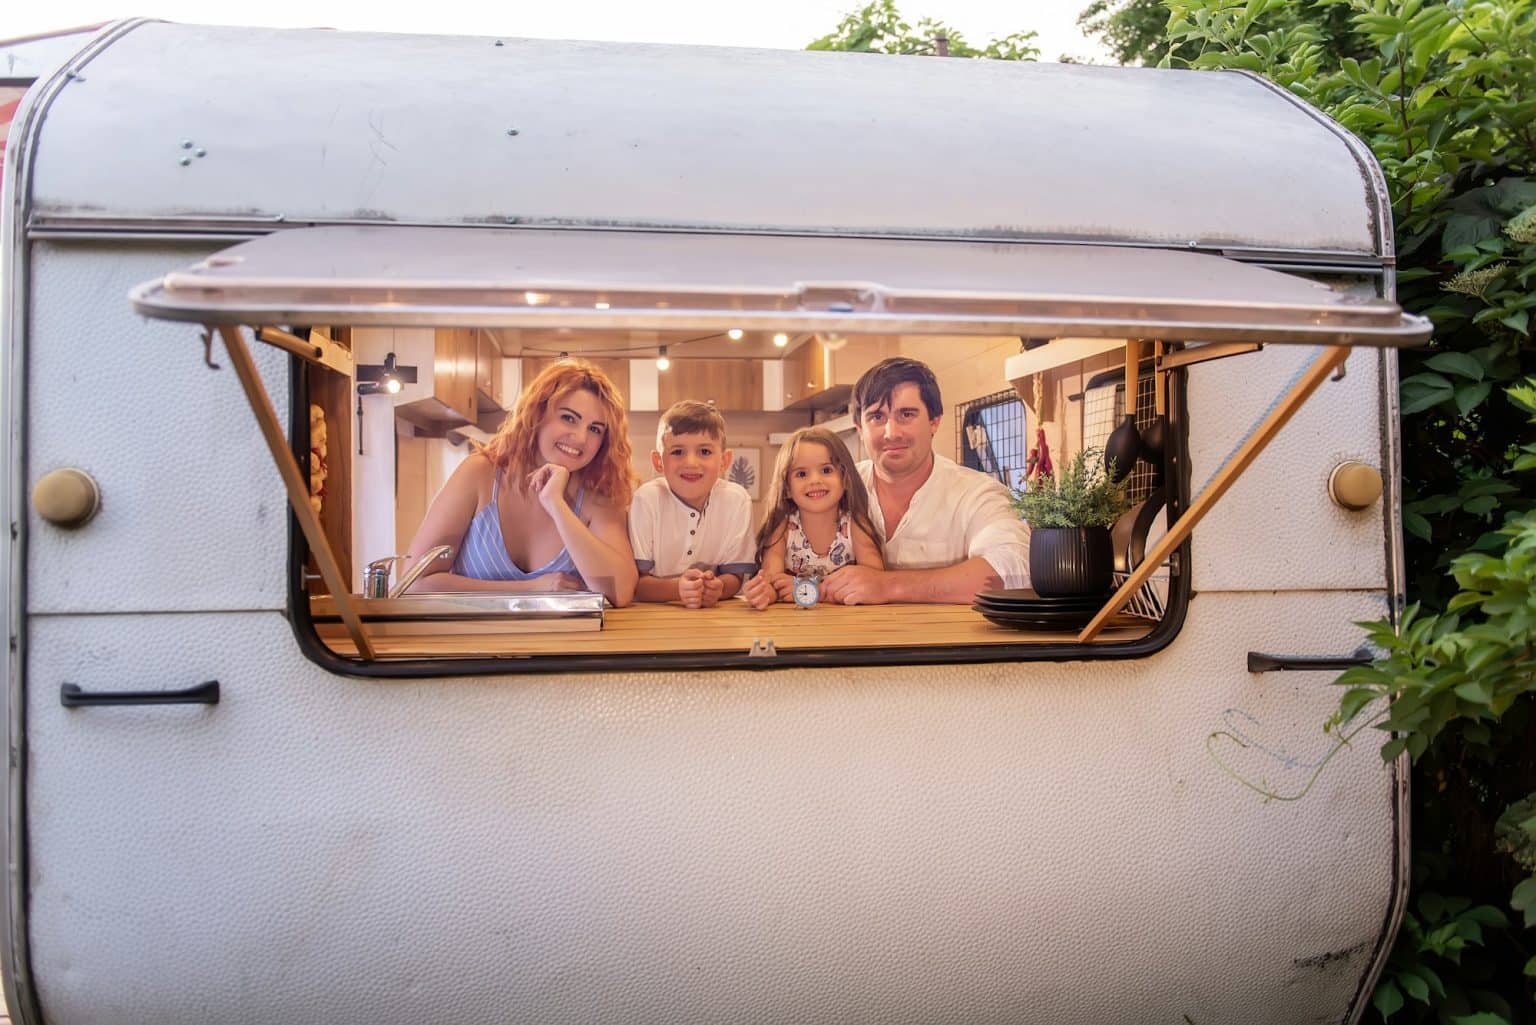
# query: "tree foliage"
1441, 92
878, 27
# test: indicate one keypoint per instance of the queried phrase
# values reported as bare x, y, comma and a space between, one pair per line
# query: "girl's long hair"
515, 448
855, 500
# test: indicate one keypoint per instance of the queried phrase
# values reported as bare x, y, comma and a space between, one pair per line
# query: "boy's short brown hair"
691, 417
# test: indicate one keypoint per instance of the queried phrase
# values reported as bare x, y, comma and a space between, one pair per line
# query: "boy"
691, 530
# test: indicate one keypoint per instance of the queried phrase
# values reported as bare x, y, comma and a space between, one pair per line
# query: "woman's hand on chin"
549, 482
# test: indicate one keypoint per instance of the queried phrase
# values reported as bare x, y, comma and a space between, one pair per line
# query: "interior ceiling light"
833, 341
600, 306
662, 362
781, 339
735, 334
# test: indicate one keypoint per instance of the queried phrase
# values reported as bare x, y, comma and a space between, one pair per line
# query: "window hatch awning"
606, 280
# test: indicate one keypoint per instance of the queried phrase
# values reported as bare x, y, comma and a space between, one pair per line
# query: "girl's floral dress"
801, 560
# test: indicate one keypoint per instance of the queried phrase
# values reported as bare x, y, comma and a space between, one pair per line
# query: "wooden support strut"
1332, 356
293, 481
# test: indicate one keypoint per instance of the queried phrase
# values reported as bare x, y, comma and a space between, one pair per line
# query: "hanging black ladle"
1124, 446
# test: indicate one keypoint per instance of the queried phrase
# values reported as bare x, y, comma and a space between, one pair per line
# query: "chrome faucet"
376, 576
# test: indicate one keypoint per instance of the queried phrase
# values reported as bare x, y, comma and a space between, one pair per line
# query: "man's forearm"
950, 585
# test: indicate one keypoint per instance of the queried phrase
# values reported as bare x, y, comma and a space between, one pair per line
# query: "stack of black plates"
1022, 609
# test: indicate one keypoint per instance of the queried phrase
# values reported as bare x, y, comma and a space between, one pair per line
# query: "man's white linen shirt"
956, 515
670, 536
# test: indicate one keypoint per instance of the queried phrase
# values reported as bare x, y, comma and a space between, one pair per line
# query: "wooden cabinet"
807, 384
487, 374
452, 402
617, 371
458, 381
731, 384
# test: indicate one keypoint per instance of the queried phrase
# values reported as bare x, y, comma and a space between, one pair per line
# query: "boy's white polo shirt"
670, 536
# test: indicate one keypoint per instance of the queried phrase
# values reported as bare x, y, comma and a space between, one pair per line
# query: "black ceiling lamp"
385, 378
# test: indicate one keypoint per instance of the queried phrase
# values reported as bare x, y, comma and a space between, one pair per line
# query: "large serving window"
772, 330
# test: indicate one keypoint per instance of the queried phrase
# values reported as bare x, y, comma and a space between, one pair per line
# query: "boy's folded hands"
699, 588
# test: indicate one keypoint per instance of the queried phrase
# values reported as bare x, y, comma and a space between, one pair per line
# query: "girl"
550, 492
819, 520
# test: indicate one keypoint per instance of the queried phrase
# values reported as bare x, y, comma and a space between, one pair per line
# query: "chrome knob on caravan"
66, 497
1354, 485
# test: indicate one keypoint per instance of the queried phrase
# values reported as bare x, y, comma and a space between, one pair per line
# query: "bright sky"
770, 23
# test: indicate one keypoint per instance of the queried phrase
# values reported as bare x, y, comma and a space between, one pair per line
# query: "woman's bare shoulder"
475, 473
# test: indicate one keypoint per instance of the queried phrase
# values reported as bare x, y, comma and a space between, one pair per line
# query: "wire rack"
992, 437
1103, 409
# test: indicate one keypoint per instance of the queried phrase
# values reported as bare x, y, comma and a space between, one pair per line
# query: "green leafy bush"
878, 27
1084, 496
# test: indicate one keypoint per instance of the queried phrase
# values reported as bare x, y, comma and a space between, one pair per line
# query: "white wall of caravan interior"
1045, 841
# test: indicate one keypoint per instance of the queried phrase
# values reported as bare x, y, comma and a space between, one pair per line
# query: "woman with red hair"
550, 492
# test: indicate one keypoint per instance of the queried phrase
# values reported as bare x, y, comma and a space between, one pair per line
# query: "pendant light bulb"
662, 362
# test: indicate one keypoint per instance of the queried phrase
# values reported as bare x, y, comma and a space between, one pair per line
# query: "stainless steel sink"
555, 605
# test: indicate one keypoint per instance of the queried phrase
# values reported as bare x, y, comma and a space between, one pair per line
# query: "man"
948, 531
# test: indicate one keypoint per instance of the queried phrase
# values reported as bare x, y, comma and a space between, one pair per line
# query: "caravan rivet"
184, 161
511, 131
279, 217
498, 42
186, 143
1193, 244
200, 152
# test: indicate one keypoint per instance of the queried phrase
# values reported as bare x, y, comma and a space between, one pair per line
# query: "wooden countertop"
731, 627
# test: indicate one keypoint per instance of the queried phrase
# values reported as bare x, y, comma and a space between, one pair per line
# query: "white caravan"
242, 791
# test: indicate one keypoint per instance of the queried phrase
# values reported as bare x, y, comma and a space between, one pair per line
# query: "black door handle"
1258, 662
72, 696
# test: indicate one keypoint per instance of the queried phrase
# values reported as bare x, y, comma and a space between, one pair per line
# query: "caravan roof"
161, 124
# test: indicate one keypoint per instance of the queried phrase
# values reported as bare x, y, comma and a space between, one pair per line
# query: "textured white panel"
1277, 528
1036, 843
193, 513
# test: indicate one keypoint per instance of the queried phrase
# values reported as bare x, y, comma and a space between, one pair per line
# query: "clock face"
806, 592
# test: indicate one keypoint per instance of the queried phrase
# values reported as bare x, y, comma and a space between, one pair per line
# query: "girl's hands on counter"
758, 592
763, 589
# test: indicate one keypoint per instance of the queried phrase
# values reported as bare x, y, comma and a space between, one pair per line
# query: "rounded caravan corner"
1375, 182
15, 193
911, 831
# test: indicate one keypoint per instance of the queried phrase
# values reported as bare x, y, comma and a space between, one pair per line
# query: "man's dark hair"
874, 388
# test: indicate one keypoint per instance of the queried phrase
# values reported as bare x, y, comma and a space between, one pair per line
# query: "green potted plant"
1069, 516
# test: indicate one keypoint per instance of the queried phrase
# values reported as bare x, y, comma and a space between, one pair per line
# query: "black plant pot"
1067, 561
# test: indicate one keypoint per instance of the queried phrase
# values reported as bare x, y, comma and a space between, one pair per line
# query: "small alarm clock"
807, 591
